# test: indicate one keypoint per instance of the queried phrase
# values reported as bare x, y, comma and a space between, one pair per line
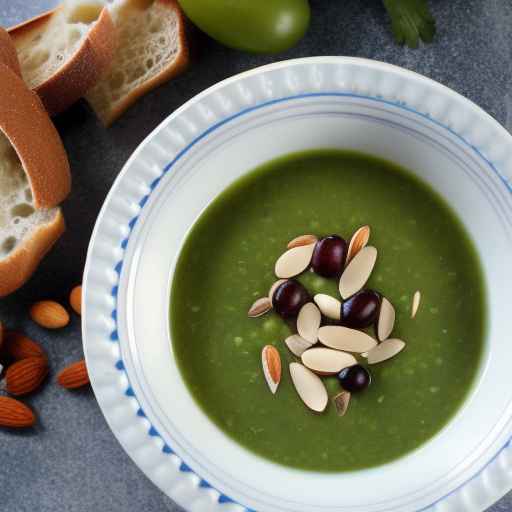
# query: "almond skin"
15, 414
26, 375
75, 299
49, 314
18, 346
260, 307
271, 362
74, 376
302, 240
358, 241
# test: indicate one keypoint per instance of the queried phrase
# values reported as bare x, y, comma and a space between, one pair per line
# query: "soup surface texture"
227, 262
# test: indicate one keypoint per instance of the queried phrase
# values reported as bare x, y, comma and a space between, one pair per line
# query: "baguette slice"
26, 234
152, 49
8, 52
28, 128
63, 52
34, 178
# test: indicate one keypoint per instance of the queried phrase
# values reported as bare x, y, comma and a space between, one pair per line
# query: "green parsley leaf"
410, 21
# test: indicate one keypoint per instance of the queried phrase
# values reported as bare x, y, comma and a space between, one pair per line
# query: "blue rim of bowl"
114, 337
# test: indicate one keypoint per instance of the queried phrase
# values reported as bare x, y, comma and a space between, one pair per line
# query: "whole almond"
26, 375
74, 376
15, 414
49, 314
75, 299
18, 346
271, 362
302, 240
260, 307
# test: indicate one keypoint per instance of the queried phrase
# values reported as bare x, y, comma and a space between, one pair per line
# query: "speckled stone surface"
70, 461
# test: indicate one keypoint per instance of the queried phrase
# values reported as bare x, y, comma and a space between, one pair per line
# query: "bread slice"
26, 234
8, 52
63, 52
28, 128
34, 178
151, 49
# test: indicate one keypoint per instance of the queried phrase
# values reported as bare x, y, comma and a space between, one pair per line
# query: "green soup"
228, 260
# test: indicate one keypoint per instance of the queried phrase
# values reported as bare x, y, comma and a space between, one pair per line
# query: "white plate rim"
183, 472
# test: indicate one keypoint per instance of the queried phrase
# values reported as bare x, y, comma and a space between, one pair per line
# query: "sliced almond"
308, 322
294, 261
326, 361
357, 271
302, 240
416, 299
329, 306
297, 345
386, 320
385, 350
260, 307
341, 401
309, 386
346, 339
358, 241
271, 362
274, 287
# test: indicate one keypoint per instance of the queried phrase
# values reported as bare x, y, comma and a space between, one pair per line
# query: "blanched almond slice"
357, 272
386, 320
358, 241
415, 303
385, 350
329, 306
343, 338
308, 322
274, 287
260, 307
297, 345
326, 361
302, 240
310, 387
341, 401
271, 362
294, 261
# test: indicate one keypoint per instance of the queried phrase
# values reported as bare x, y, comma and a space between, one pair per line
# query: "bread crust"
8, 52
32, 23
25, 123
21, 263
82, 70
178, 66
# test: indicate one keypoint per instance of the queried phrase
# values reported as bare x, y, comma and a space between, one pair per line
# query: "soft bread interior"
43, 50
148, 42
18, 217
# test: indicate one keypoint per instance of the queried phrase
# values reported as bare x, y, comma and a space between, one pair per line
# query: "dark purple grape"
329, 256
361, 310
289, 297
354, 378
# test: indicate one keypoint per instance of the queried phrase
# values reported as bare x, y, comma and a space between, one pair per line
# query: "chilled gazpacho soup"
328, 311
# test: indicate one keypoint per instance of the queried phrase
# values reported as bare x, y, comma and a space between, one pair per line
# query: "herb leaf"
410, 21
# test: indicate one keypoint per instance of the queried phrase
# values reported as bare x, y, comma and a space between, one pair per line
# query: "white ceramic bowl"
176, 172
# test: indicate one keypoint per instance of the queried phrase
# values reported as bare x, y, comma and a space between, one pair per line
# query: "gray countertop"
70, 461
